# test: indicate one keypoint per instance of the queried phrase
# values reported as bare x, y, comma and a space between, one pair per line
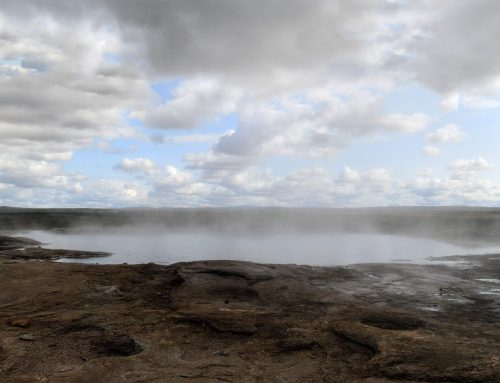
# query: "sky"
194, 103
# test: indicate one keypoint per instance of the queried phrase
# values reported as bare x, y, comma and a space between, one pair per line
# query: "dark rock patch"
223, 273
118, 345
296, 345
393, 322
235, 293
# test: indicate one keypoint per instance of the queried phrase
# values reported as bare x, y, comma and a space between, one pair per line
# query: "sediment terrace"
227, 321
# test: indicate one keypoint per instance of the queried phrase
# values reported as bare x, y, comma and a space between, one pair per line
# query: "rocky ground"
227, 321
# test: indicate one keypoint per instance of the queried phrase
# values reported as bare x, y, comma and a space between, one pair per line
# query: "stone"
27, 337
64, 368
19, 322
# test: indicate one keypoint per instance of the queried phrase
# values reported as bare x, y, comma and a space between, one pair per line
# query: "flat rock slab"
227, 321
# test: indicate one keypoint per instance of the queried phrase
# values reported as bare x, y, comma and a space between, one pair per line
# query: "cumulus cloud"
33, 174
215, 166
320, 187
349, 175
184, 139
465, 168
406, 123
450, 133
315, 130
233, 37
461, 51
450, 102
453, 191
301, 79
431, 151
105, 193
479, 103
193, 103
51, 110
141, 165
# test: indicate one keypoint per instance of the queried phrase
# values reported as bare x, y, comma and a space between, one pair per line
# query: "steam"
268, 235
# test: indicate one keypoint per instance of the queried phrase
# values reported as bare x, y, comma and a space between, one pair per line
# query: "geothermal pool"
131, 246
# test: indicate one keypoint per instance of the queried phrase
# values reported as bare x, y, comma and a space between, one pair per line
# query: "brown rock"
19, 322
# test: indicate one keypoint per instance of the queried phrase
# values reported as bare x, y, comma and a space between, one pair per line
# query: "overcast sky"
249, 102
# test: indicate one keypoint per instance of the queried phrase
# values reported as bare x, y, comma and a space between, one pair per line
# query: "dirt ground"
228, 321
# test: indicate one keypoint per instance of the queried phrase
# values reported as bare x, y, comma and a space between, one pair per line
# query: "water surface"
130, 246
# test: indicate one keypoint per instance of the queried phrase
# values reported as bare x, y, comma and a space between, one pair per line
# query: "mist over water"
322, 249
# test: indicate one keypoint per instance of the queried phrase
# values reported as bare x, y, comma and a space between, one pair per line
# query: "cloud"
33, 174
216, 166
315, 130
465, 168
470, 166
450, 133
232, 37
301, 79
450, 102
58, 106
460, 52
193, 103
303, 187
405, 123
431, 151
279, 40
453, 191
137, 165
231, 58
479, 103
349, 175
160, 185
184, 139
110, 193
159, 180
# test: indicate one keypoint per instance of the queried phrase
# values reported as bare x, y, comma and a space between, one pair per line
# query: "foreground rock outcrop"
226, 321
